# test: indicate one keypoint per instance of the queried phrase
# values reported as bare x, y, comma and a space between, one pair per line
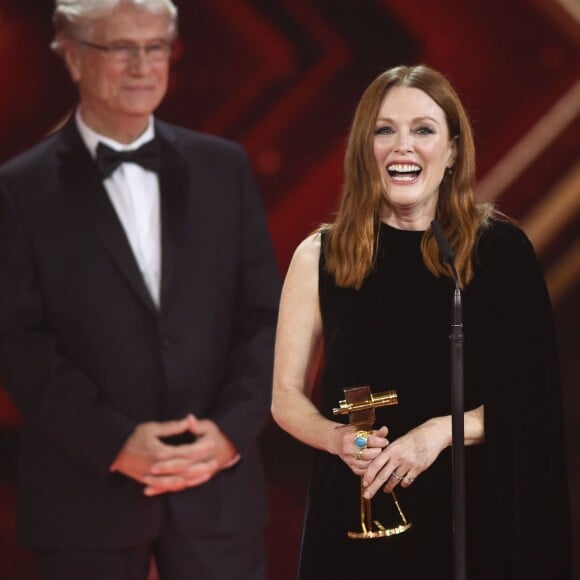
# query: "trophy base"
380, 532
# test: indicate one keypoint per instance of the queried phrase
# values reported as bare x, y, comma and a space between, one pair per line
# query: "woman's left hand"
402, 461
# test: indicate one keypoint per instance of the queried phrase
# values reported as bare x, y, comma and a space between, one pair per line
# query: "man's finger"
152, 490
199, 426
168, 428
200, 450
194, 475
173, 466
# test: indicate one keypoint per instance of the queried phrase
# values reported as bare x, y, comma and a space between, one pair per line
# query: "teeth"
401, 177
400, 168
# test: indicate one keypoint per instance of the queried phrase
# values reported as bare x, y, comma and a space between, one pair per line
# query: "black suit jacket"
87, 356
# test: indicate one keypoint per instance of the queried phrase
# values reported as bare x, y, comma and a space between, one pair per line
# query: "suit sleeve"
54, 397
244, 401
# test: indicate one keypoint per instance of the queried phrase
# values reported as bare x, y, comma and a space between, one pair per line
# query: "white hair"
70, 17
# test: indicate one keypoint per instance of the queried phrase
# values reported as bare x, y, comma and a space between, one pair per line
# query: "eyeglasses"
123, 51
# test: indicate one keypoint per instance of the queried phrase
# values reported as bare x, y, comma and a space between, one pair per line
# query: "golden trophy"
360, 405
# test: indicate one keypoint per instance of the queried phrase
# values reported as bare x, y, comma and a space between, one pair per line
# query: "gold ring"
358, 454
397, 476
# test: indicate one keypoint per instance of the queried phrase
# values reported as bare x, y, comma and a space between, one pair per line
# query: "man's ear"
72, 58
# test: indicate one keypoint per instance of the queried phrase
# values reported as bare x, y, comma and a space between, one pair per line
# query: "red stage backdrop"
283, 77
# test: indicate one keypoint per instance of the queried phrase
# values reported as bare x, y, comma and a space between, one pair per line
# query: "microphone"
457, 411
447, 254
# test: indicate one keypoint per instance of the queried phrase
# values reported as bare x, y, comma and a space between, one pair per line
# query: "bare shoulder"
302, 276
299, 313
307, 254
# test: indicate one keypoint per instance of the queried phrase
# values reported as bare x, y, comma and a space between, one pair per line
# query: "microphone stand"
457, 411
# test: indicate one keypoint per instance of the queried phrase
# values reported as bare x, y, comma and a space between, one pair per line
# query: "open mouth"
403, 172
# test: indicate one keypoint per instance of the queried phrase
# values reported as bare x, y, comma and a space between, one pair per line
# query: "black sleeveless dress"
393, 334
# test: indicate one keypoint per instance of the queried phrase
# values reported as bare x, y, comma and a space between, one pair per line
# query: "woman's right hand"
356, 458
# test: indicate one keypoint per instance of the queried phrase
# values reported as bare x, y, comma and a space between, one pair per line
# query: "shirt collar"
91, 138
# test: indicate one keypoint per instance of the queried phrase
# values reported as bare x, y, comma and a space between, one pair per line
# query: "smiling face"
117, 98
412, 148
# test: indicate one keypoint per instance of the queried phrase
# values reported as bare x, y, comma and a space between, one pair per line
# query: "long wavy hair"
351, 240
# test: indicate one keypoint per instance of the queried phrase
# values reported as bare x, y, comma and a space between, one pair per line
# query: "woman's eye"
425, 130
384, 131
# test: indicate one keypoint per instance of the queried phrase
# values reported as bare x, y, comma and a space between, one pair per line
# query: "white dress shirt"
134, 193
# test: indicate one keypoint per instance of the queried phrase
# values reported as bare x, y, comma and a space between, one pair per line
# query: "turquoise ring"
360, 439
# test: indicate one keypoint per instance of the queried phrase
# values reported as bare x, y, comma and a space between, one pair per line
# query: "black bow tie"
147, 156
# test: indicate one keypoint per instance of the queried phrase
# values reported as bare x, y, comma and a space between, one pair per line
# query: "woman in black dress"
369, 296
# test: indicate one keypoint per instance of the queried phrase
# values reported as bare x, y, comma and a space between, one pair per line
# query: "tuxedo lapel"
83, 181
174, 186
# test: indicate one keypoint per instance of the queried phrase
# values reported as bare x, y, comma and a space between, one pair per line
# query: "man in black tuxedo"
137, 310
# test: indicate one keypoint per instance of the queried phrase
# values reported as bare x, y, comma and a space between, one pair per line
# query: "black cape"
393, 333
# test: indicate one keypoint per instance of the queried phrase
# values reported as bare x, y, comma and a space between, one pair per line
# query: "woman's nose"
403, 142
